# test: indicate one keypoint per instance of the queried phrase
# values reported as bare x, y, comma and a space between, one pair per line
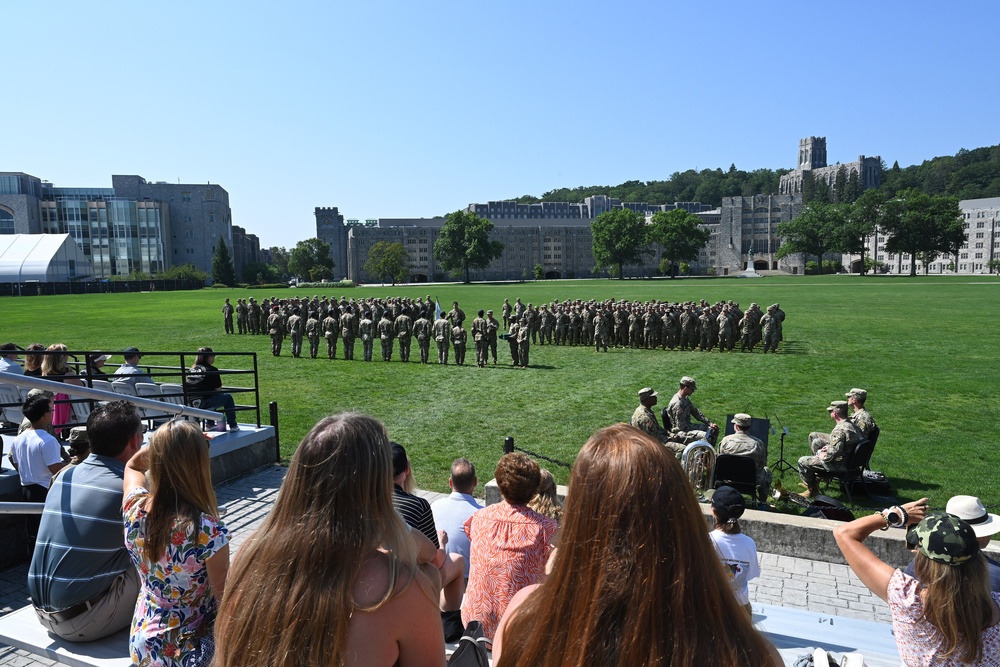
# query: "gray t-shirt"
80, 547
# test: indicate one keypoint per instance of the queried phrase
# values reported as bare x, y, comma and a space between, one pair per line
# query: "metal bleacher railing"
167, 395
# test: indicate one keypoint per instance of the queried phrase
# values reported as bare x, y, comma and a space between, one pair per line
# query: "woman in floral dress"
181, 548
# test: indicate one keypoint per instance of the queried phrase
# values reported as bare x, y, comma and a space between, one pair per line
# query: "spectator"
630, 586
79, 445
81, 582
33, 360
35, 454
332, 572
450, 513
26, 423
205, 381
179, 545
97, 361
546, 501
737, 551
509, 543
416, 511
971, 510
129, 371
55, 367
9, 359
953, 619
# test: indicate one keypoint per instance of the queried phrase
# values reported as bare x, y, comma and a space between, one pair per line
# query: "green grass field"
921, 347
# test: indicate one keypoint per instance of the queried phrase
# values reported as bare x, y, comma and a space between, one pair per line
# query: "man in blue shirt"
450, 513
82, 583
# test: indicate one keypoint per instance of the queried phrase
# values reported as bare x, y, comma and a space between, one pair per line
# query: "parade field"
924, 348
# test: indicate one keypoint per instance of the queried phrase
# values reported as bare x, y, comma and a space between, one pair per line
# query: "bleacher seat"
152, 391
11, 394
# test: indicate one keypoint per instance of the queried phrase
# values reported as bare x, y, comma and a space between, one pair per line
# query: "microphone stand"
781, 464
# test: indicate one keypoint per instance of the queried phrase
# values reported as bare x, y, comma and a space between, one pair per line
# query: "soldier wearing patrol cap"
741, 443
645, 420
680, 409
860, 417
831, 457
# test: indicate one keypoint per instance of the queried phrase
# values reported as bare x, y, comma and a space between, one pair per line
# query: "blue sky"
410, 109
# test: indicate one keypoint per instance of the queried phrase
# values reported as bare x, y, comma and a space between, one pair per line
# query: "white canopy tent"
42, 257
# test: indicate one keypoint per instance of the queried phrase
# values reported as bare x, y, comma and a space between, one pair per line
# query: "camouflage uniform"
491, 337
422, 332
241, 316
725, 331
227, 316
505, 313
479, 336
348, 331
366, 329
386, 333
512, 341
254, 317
769, 331
312, 333
276, 329
600, 332
523, 343
442, 333
331, 328
459, 337
644, 420
404, 331
680, 410
744, 444
546, 323
833, 456
295, 332
862, 419
561, 325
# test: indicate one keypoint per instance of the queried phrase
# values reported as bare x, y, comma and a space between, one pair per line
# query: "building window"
6, 222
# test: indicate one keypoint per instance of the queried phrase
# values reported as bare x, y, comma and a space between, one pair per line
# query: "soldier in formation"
227, 316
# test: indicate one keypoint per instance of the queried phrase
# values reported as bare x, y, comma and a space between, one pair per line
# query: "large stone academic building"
135, 225
556, 235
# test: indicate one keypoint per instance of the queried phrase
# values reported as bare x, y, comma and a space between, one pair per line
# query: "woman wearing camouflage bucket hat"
951, 620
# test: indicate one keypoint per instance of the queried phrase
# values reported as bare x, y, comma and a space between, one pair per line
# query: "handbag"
472, 647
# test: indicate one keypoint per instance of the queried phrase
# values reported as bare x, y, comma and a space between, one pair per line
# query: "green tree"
464, 243
681, 235
183, 272
859, 221
922, 226
539, 272
261, 272
811, 233
840, 185
620, 237
279, 260
310, 259
387, 258
993, 265
222, 265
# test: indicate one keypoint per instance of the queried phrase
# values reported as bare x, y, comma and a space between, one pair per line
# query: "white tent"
42, 257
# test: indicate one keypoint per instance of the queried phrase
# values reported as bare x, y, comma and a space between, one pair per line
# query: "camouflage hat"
837, 405
857, 393
742, 419
946, 539
647, 392
688, 381
78, 436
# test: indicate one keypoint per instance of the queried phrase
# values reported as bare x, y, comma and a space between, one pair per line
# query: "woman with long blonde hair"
635, 580
179, 545
546, 501
331, 576
55, 367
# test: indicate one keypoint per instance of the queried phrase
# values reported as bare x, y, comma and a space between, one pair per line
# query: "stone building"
554, 235
812, 158
135, 225
747, 223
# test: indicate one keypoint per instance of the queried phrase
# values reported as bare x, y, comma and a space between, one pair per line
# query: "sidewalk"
795, 583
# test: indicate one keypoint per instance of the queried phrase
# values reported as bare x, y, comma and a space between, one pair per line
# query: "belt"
69, 613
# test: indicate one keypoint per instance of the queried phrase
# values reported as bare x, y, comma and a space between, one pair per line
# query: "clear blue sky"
410, 109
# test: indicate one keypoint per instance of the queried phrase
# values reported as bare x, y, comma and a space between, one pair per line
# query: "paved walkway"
797, 583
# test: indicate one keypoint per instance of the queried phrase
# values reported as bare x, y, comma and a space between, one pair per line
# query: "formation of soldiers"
392, 321
401, 321
649, 324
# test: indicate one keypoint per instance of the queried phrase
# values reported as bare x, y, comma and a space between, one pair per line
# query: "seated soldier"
645, 420
860, 418
832, 457
741, 443
680, 410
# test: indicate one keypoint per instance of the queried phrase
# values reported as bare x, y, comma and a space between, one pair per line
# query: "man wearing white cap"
971, 510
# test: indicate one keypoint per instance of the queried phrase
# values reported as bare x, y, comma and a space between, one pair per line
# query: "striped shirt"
416, 512
80, 547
